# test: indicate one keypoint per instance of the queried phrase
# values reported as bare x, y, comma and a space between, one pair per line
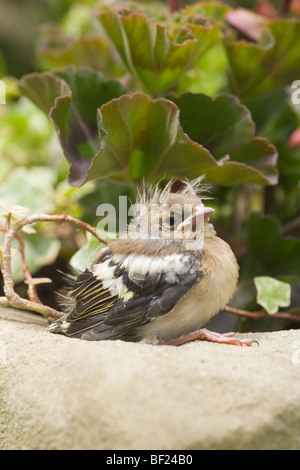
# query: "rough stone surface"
61, 393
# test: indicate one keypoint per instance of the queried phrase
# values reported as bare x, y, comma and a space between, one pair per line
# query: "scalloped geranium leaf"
212, 9
272, 294
138, 137
71, 97
142, 138
225, 127
155, 55
93, 51
271, 63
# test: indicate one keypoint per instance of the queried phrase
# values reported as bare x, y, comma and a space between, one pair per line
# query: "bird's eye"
170, 221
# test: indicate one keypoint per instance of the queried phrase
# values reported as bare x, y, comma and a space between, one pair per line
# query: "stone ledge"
61, 393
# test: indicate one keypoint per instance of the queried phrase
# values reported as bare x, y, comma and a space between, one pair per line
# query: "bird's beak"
200, 213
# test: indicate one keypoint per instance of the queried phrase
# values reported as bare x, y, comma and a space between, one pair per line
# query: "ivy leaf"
33, 188
28, 191
84, 257
40, 250
155, 55
15, 210
271, 63
225, 127
272, 294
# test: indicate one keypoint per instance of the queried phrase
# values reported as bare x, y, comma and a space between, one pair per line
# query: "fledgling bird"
160, 283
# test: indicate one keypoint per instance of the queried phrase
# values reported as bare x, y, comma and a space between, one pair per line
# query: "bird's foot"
206, 335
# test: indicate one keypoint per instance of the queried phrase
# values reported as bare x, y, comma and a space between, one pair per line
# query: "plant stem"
269, 202
286, 6
12, 298
261, 314
174, 5
31, 291
4, 302
290, 226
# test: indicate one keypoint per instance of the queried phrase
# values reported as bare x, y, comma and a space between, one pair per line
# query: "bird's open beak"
200, 213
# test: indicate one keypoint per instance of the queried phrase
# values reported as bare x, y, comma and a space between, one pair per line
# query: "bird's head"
167, 215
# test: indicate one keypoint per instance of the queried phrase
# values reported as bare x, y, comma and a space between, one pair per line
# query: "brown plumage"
160, 284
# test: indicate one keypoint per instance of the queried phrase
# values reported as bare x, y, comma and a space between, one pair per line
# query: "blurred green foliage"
224, 77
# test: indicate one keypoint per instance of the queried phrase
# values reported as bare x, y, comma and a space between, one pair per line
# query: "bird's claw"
246, 342
206, 335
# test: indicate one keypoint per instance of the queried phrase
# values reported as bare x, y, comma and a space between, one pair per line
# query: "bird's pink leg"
206, 335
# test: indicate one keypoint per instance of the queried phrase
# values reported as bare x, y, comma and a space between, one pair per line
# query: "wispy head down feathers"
156, 195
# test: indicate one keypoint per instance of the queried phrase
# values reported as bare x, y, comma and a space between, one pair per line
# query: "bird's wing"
121, 292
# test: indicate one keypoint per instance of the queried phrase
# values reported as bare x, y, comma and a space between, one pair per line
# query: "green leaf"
269, 251
212, 9
268, 65
107, 190
276, 119
2, 65
142, 138
71, 97
26, 137
40, 250
90, 51
155, 55
272, 294
209, 75
269, 109
31, 188
84, 257
15, 210
136, 137
139, 138
225, 127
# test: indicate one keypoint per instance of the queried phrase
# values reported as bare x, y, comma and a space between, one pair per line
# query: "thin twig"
8, 221
4, 302
261, 314
31, 291
290, 226
12, 298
